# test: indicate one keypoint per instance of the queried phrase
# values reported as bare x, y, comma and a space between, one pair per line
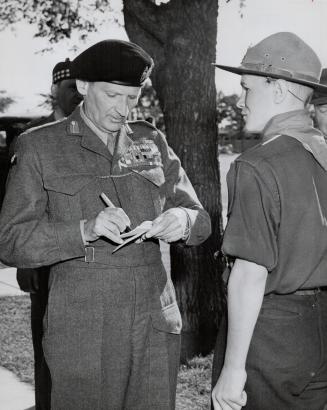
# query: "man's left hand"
229, 394
169, 226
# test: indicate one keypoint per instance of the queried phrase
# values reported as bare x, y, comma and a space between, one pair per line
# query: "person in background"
273, 354
35, 281
319, 100
112, 327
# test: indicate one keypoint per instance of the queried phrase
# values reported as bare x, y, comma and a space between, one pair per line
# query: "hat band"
269, 69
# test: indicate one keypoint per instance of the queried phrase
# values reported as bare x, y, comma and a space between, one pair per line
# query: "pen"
107, 201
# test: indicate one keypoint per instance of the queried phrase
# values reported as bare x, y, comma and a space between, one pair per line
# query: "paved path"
8, 283
14, 395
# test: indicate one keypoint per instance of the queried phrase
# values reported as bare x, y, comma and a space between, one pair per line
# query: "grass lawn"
16, 354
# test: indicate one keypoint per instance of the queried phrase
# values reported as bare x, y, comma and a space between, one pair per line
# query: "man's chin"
251, 129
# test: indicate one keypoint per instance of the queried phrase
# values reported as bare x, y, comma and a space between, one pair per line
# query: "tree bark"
181, 37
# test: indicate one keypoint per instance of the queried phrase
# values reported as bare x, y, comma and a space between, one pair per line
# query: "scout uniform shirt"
278, 205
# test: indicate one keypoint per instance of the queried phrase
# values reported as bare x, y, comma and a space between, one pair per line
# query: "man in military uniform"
319, 100
35, 281
274, 357
112, 328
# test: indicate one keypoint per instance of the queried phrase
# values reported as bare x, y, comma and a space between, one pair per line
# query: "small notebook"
136, 233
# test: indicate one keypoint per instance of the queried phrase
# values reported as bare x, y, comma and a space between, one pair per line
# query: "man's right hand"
108, 223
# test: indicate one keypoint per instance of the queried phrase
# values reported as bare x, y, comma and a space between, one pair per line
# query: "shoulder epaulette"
48, 124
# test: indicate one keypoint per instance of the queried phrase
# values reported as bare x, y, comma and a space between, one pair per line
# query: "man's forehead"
117, 88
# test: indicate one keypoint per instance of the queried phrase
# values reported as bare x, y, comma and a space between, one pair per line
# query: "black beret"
113, 61
61, 71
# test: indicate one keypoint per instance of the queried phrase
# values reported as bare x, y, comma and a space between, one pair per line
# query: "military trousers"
287, 360
102, 343
42, 378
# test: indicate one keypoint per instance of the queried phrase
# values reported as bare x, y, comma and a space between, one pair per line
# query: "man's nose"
122, 106
240, 103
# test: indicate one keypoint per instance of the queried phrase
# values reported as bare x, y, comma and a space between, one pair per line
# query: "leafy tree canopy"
5, 101
57, 19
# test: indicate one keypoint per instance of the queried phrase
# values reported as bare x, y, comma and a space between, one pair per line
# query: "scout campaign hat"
284, 56
113, 61
319, 97
61, 71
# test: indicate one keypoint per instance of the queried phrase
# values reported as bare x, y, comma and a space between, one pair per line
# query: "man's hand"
169, 226
229, 390
108, 223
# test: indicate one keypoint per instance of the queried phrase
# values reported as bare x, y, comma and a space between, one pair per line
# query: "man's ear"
280, 91
82, 87
54, 91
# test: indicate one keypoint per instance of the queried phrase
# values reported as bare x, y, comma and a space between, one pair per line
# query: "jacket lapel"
122, 145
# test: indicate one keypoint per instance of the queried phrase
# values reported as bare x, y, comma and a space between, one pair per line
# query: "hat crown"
286, 53
61, 71
116, 61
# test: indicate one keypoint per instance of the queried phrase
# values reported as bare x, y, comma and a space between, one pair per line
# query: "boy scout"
277, 235
319, 100
112, 326
65, 99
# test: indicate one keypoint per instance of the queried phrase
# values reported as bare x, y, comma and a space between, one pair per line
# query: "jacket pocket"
67, 184
168, 320
154, 175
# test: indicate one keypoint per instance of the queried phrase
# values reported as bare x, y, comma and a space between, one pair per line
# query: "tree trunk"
181, 37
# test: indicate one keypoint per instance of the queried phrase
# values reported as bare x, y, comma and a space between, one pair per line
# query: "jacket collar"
92, 142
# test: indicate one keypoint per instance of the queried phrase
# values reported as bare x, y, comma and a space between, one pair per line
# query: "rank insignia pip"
142, 153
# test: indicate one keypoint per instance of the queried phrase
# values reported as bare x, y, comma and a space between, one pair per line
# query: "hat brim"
240, 70
319, 99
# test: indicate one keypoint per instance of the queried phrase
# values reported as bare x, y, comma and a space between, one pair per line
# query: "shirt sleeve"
253, 216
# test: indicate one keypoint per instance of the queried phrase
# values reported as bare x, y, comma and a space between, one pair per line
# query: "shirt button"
312, 374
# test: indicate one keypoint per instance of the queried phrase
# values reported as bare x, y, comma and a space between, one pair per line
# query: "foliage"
5, 101
148, 108
229, 117
47, 101
57, 19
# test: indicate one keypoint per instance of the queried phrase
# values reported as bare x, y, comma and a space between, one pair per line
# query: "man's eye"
132, 97
111, 95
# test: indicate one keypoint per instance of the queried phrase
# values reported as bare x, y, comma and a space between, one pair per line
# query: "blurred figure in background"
35, 281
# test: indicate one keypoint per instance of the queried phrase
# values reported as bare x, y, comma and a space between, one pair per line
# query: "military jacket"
57, 175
